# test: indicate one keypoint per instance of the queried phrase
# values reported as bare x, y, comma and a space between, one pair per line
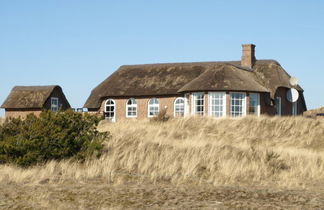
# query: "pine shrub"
51, 136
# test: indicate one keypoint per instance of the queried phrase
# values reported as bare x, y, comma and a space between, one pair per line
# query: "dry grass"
313, 112
280, 151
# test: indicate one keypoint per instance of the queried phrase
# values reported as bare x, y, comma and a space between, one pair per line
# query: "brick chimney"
248, 57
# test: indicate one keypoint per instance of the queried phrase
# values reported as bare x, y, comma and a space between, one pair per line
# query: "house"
234, 88
24, 100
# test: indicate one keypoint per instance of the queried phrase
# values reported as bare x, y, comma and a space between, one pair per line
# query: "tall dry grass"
283, 151
313, 112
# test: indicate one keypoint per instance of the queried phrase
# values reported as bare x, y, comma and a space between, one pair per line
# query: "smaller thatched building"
24, 100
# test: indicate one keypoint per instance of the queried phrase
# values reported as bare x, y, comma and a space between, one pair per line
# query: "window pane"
153, 107
179, 107
216, 104
254, 103
237, 104
198, 103
131, 107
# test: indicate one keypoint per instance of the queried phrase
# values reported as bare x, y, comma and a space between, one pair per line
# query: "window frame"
153, 105
174, 106
243, 104
258, 108
57, 104
278, 108
131, 106
210, 112
294, 108
113, 119
193, 110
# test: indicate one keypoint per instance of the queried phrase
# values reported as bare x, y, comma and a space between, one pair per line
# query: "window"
179, 107
278, 106
217, 104
131, 108
198, 103
153, 107
294, 108
254, 105
54, 104
110, 110
237, 104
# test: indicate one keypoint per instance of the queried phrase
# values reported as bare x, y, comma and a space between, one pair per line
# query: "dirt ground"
101, 195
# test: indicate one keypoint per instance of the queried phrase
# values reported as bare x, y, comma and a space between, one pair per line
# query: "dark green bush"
51, 136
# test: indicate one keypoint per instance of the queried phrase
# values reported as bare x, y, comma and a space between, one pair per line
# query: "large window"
254, 105
198, 103
237, 104
294, 108
153, 107
131, 108
110, 110
278, 106
217, 104
54, 104
179, 107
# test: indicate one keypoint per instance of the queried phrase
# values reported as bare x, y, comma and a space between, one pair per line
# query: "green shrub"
51, 136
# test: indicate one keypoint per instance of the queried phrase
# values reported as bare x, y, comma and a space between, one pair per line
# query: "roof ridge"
233, 62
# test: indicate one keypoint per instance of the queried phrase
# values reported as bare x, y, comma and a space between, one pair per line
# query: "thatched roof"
28, 96
176, 78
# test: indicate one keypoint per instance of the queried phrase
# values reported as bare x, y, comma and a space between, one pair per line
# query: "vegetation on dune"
314, 112
51, 136
285, 151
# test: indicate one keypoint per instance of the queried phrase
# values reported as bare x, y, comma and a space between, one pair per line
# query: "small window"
110, 110
217, 104
278, 106
237, 104
179, 105
153, 107
131, 108
254, 105
54, 104
198, 103
294, 108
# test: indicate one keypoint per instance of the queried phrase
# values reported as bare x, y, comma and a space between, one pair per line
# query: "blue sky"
77, 44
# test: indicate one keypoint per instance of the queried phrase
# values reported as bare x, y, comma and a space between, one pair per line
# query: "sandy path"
100, 195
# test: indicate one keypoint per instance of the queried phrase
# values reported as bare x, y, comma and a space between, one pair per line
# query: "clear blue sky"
77, 44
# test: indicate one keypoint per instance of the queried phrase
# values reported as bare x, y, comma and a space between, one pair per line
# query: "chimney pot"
248, 55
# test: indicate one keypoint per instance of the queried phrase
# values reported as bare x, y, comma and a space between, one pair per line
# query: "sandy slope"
197, 163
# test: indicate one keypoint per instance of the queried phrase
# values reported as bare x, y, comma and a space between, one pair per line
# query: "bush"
161, 116
51, 136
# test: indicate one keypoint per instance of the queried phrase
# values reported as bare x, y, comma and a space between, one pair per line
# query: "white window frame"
187, 104
257, 101
112, 119
175, 108
243, 104
278, 106
54, 107
193, 100
210, 104
153, 106
131, 106
294, 109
